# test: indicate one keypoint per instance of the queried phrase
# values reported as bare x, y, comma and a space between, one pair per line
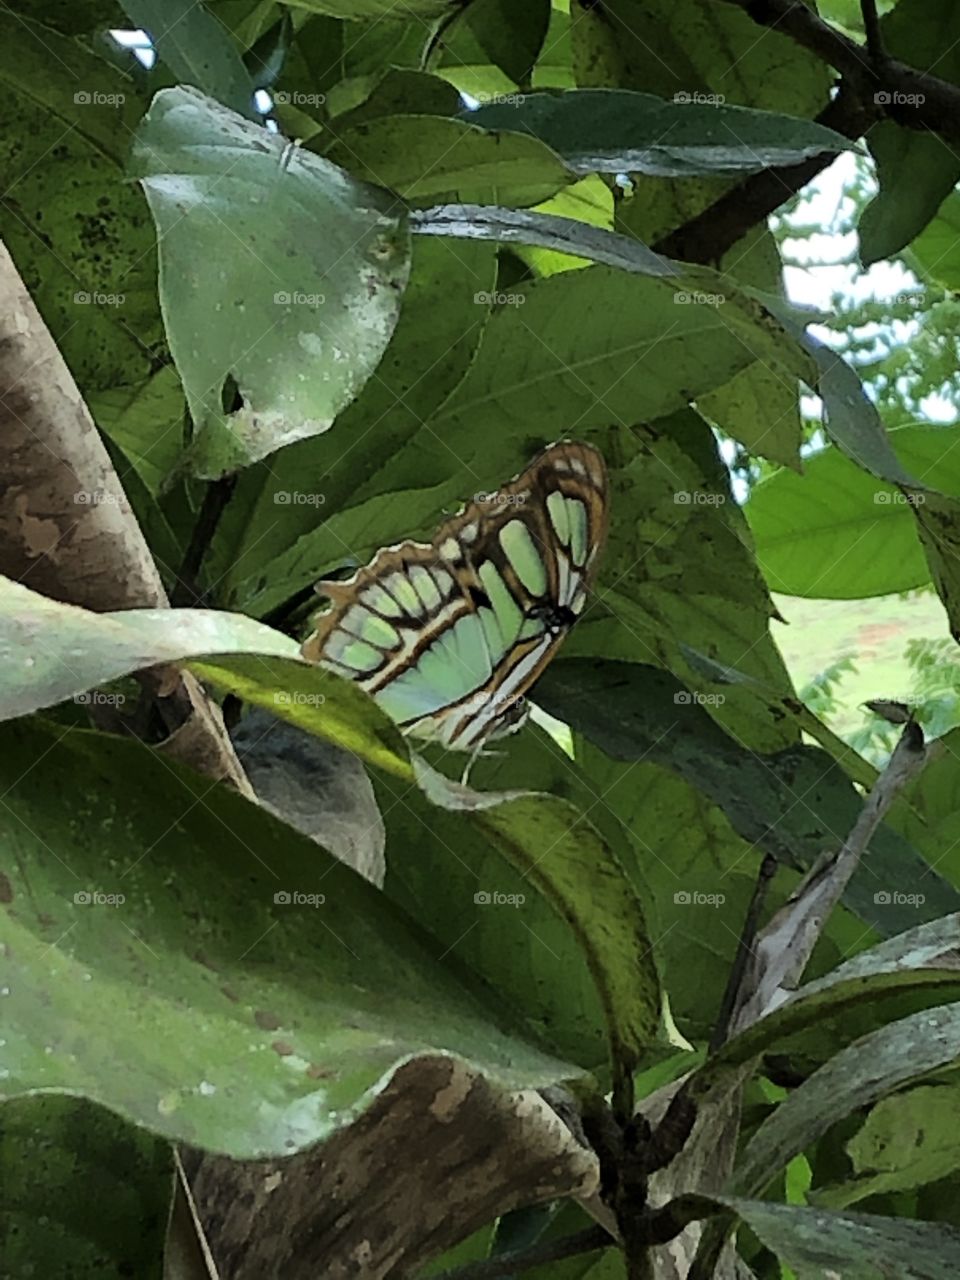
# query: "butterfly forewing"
448, 635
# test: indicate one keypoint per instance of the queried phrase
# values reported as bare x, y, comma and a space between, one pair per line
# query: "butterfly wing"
449, 635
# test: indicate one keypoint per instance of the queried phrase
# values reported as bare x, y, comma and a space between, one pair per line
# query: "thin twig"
871, 27
186, 590
745, 949
784, 947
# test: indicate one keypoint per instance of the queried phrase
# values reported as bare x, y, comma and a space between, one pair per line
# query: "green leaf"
146, 420
276, 270
545, 230
618, 131
916, 172
936, 247
431, 160
850, 417
258, 561
639, 713
196, 48
609, 346
547, 845
359, 10
678, 575
855, 1246
838, 533
87, 649
916, 169
669, 47
61, 78
919, 963
314, 699
590, 201
938, 521
395, 91
242, 1018
868, 1069
512, 35
760, 406
79, 234
905, 1142
61, 1156
265, 58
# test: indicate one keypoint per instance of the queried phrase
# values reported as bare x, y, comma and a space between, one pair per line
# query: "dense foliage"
668, 988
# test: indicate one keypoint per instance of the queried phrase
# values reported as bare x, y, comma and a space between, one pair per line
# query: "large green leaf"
477, 885
431, 160
196, 48
619, 131
59, 1159
605, 346
248, 991
52, 651
678, 575
795, 804
276, 270
839, 533
440, 326
535, 842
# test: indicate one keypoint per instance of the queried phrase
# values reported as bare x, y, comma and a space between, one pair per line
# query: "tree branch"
873, 87
915, 99
708, 236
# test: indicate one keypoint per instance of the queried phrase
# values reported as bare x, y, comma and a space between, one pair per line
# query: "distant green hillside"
873, 632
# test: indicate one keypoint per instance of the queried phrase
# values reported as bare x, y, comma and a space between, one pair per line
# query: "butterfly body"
449, 635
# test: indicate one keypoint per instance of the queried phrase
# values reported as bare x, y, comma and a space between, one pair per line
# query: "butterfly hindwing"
448, 635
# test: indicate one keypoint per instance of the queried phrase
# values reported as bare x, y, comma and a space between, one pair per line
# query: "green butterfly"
449, 635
